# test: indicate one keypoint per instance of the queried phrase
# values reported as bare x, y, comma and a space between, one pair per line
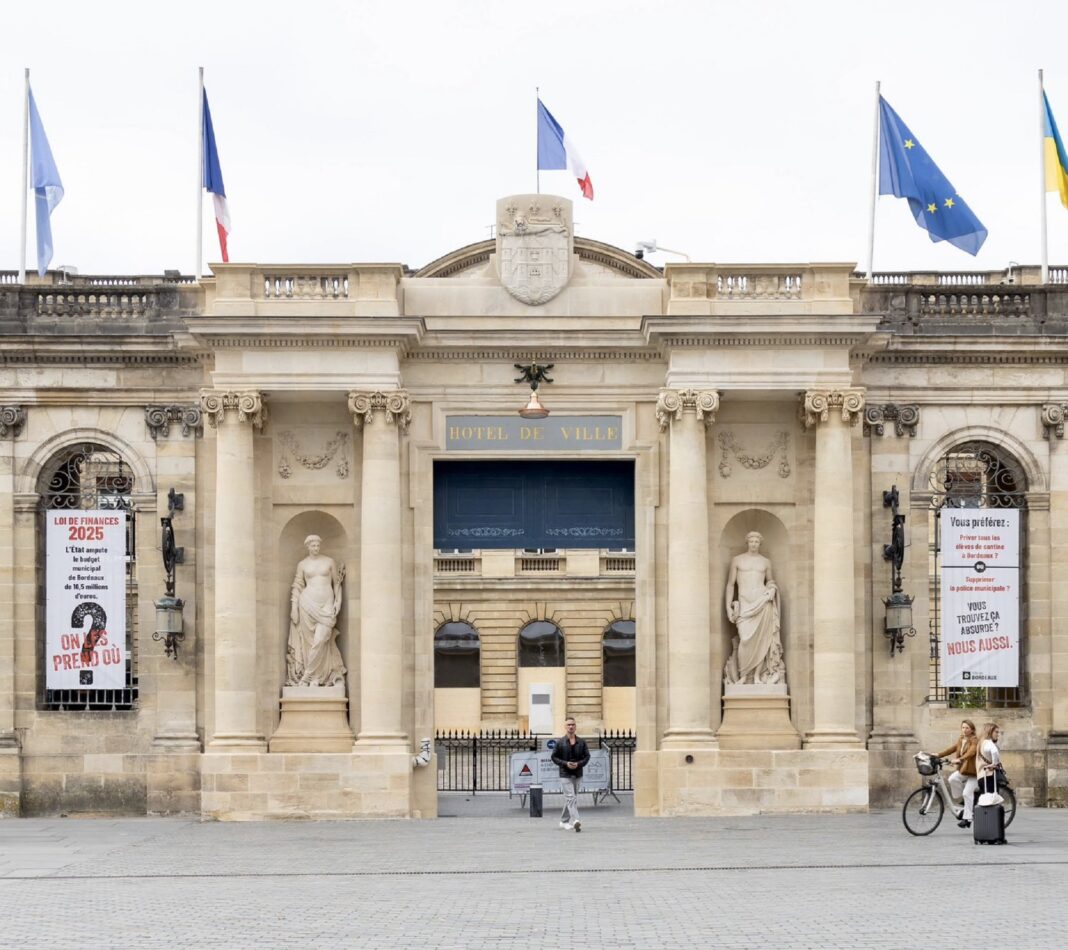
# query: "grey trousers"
570, 786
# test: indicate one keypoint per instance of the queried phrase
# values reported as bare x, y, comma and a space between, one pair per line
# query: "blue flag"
907, 171
46, 184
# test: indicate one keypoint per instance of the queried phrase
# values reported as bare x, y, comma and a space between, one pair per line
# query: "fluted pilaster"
382, 416
235, 415
687, 414
834, 413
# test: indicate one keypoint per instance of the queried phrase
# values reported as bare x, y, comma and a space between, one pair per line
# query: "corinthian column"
688, 413
382, 416
834, 413
235, 415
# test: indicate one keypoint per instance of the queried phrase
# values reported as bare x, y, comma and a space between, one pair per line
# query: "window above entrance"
534, 503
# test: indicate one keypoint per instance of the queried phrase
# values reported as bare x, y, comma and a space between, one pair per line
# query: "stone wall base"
243, 787
1057, 770
892, 771
751, 782
10, 782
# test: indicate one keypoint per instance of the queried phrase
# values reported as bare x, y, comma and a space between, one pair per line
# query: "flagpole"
200, 170
874, 181
23, 185
537, 118
1042, 173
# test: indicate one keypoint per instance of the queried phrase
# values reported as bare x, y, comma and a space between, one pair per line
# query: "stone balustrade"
725, 289
1013, 300
318, 289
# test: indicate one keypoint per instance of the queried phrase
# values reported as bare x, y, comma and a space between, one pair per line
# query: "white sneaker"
564, 826
577, 826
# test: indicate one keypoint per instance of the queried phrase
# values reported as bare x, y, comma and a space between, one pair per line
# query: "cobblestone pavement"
506, 880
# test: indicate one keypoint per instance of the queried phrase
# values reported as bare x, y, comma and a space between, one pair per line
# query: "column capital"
248, 405
159, 420
1053, 420
818, 404
12, 419
672, 403
393, 404
904, 418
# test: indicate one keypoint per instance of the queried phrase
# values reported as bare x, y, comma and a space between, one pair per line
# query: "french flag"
213, 181
556, 150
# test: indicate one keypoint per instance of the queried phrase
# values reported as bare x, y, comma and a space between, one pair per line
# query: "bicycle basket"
926, 764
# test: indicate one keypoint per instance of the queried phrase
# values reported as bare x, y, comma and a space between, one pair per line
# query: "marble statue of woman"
312, 656
757, 653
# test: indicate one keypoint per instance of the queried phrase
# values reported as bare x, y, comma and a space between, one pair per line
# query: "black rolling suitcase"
988, 824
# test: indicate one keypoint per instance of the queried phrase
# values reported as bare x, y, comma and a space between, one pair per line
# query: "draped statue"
312, 656
757, 652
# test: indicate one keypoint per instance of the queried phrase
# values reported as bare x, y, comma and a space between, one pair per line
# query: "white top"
987, 759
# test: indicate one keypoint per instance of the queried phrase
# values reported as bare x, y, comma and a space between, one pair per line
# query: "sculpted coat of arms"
534, 246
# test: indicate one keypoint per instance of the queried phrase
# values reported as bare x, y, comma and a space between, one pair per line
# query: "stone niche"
757, 715
314, 718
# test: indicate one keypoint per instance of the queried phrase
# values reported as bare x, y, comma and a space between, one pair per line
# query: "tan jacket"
963, 749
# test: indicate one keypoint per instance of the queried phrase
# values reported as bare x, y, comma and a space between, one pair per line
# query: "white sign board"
538, 768
980, 597
85, 599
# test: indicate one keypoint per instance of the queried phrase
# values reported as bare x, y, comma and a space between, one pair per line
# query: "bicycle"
924, 808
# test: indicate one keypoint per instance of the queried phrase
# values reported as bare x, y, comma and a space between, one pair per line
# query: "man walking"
571, 755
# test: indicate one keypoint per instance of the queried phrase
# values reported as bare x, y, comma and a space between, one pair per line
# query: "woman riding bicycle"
962, 783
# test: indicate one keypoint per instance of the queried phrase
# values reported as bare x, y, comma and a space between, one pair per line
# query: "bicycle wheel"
1009, 804
923, 811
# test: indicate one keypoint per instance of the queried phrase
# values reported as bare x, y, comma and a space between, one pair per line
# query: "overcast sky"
374, 131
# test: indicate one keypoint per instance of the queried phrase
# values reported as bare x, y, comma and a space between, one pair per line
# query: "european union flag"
907, 171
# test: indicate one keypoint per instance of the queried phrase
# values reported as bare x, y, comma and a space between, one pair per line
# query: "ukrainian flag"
1056, 158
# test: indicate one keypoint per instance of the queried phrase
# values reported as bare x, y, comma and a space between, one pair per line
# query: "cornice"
968, 359
307, 342
538, 353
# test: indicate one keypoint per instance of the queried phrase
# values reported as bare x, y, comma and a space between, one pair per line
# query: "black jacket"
566, 752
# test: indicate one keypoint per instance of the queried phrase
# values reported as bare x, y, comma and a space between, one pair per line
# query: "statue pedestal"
314, 719
757, 716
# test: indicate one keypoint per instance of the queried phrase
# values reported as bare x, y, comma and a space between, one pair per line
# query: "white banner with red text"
980, 635
85, 600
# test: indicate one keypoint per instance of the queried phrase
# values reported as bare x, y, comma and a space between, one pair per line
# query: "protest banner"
980, 610
85, 600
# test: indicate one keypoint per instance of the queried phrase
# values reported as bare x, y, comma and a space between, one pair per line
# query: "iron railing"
480, 761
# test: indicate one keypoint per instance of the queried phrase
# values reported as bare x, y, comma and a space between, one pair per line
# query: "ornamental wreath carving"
337, 446
730, 448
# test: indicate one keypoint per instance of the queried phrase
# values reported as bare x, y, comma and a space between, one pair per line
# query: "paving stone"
494, 878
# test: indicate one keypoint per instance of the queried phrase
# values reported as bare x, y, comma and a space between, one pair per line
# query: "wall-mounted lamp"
169, 621
898, 604
535, 374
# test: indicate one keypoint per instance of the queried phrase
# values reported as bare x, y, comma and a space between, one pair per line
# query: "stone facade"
780, 398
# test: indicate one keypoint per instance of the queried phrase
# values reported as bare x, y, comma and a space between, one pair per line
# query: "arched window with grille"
457, 653
972, 475
541, 644
87, 477
618, 646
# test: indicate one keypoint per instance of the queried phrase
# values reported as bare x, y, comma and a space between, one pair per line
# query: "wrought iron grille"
974, 475
481, 761
89, 476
